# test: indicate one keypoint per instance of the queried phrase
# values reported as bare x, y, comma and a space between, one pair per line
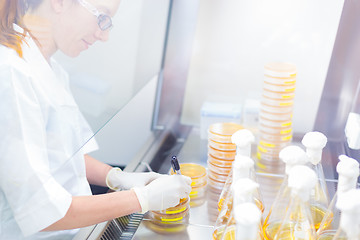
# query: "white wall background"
235, 39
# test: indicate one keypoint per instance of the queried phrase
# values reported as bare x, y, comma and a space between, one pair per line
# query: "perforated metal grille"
122, 228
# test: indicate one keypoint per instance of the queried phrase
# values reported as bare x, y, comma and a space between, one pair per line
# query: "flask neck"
244, 150
345, 183
314, 155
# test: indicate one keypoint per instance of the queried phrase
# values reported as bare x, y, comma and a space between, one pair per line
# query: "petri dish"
268, 157
170, 218
272, 144
197, 201
276, 109
275, 116
277, 102
222, 146
226, 155
275, 130
268, 151
214, 190
278, 95
165, 229
168, 223
222, 132
217, 169
275, 138
279, 88
220, 162
215, 185
196, 172
197, 192
280, 80
217, 176
181, 207
280, 69
274, 123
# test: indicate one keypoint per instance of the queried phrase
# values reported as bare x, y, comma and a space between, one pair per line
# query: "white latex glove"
117, 179
163, 192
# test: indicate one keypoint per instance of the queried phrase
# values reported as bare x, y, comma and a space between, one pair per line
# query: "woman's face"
76, 27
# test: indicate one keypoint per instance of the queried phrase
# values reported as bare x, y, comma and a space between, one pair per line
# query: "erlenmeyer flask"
244, 223
241, 191
243, 167
348, 172
242, 139
319, 201
291, 156
297, 223
349, 226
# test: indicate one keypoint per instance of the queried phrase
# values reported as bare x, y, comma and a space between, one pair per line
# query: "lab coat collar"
47, 76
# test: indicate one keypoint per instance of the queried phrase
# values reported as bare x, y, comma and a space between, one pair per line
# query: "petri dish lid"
280, 69
181, 207
289, 81
217, 169
222, 146
192, 170
220, 162
221, 132
275, 138
225, 155
276, 109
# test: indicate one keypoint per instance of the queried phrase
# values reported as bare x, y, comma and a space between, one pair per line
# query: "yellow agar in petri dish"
178, 208
168, 227
196, 172
220, 170
220, 162
226, 155
174, 217
222, 146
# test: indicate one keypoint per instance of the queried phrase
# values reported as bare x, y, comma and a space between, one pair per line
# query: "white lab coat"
41, 131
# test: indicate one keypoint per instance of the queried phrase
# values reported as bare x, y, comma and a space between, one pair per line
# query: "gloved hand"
117, 179
163, 192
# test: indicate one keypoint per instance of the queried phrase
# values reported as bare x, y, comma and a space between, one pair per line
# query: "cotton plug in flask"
319, 201
241, 191
244, 223
244, 166
349, 226
348, 172
291, 156
297, 221
243, 139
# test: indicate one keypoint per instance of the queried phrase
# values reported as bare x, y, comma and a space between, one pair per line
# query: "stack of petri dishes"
221, 154
275, 118
197, 173
171, 220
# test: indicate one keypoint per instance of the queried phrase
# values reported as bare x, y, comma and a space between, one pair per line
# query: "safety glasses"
104, 21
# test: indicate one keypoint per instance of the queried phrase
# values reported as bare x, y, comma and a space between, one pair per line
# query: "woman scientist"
44, 188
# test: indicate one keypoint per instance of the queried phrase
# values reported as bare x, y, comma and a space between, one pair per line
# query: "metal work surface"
202, 217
